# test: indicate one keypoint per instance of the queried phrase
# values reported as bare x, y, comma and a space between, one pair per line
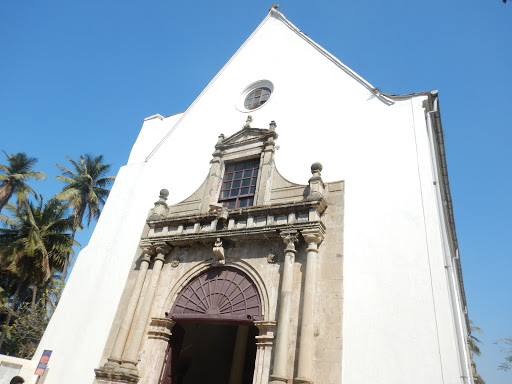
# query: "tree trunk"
10, 311
34, 297
6, 193
66, 261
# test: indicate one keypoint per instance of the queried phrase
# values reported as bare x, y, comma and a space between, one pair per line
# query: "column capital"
313, 235
267, 333
290, 238
160, 328
162, 249
147, 249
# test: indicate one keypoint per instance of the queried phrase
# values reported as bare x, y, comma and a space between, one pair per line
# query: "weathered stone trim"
160, 328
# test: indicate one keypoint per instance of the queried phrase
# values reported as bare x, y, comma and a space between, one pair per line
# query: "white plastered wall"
398, 321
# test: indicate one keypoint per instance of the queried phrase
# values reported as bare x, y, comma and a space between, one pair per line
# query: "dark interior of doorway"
206, 354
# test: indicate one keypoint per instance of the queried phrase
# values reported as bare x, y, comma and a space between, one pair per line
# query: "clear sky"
80, 76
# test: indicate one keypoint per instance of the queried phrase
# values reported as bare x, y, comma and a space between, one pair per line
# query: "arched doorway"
213, 339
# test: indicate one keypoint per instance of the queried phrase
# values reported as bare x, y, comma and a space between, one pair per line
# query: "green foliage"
473, 341
14, 175
84, 188
36, 241
27, 326
505, 346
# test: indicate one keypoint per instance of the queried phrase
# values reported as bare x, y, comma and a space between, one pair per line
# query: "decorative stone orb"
316, 167
164, 193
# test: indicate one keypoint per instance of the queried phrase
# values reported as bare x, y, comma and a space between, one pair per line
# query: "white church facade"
293, 225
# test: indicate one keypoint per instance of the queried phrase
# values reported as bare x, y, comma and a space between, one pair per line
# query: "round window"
255, 95
257, 98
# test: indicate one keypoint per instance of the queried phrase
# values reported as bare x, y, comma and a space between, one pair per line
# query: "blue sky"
79, 77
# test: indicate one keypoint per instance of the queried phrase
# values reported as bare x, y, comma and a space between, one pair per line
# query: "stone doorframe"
161, 327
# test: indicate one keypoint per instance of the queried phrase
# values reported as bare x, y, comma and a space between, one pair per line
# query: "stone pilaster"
264, 345
214, 179
117, 351
266, 169
280, 369
313, 238
132, 350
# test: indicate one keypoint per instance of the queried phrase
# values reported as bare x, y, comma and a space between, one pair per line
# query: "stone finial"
316, 184
164, 194
248, 122
161, 207
272, 126
218, 251
217, 153
316, 168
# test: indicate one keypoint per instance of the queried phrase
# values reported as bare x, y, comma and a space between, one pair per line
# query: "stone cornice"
274, 209
268, 221
238, 234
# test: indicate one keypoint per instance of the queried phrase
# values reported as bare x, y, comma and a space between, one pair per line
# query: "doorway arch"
219, 295
214, 312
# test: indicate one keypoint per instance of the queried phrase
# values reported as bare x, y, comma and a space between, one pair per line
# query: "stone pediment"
247, 136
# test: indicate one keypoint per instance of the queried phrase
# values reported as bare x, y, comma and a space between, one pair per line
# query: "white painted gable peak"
277, 52
279, 16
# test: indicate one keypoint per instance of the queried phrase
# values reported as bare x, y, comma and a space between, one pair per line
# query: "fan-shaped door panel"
221, 294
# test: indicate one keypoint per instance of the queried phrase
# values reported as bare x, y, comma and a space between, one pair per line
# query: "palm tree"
14, 175
85, 190
34, 243
473, 341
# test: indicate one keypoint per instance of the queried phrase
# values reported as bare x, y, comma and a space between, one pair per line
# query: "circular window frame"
240, 105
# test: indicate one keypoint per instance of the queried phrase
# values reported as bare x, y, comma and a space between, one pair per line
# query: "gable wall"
396, 308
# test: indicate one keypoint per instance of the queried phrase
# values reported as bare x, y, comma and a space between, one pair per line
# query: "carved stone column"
280, 370
117, 351
313, 237
264, 344
132, 350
